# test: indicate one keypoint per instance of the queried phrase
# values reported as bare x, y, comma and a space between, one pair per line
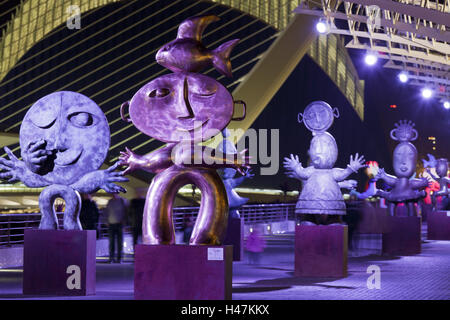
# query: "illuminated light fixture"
393, 106
403, 77
427, 93
370, 59
322, 26
446, 105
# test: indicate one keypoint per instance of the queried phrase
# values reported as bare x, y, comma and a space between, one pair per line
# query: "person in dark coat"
89, 213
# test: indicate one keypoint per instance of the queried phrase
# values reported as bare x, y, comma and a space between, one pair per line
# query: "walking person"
116, 213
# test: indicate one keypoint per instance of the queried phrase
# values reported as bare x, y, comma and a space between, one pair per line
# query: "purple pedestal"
321, 251
234, 237
59, 262
403, 235
183, 272
438, 225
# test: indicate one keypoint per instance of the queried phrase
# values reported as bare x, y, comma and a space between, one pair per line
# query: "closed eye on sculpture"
44, 126
159, 93
81, 119
206, 94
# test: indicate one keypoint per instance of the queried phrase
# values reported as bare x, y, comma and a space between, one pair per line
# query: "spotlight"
446, 105
370, 58
322, 26
403, 77
427, 93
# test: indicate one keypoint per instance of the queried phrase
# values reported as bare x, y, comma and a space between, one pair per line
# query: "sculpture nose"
189, 114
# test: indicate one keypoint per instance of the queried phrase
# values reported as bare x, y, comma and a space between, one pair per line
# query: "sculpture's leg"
391, 208
210, 227
72, 210
212, 220
433, 201
411, 209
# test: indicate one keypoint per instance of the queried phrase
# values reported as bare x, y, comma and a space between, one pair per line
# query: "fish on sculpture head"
187, 54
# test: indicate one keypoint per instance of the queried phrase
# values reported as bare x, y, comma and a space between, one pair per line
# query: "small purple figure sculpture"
64, 139
184, 108
404, 188
235, 201
321, 193
441, 166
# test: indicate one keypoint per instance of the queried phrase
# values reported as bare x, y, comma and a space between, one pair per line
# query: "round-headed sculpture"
69, 131
405, 188
321, 195
64, 139
318, 116
183, 108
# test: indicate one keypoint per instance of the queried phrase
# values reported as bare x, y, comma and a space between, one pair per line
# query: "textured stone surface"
415, 277
49, 253
182, 272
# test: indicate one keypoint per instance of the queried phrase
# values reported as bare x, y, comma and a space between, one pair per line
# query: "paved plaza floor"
425, 276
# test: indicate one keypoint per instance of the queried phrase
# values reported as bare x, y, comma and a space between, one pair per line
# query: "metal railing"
13, 226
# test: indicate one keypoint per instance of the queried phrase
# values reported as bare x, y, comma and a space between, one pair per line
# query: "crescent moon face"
76, 133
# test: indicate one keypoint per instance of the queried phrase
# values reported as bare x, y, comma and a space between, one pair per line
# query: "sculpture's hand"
35, 155
242, 162
380, 175
130, 159
109, 176
356, 162
292, 163
348, 184
14, 169
248, 173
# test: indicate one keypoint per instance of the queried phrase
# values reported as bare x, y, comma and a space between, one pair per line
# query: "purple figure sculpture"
441, 166
64, 139
182, 109
321, 194
405, 189
235, 201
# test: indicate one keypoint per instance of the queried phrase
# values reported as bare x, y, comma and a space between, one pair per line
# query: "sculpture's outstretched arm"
432, 175
389, 179
101, 179
201, 156
348, 184
16, 170
294, 168
153, 162
420, 183
355, 164
238, 181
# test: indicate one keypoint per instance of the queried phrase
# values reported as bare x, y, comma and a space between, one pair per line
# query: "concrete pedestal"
235, 237
59, 262
183, 272
321, 251
403, 235
438, 225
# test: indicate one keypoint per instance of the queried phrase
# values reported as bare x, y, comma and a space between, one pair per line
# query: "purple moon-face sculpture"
405, 189
75, 131
321, 193
183, 108
64, 139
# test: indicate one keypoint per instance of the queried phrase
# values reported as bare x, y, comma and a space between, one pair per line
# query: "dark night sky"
371, 137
